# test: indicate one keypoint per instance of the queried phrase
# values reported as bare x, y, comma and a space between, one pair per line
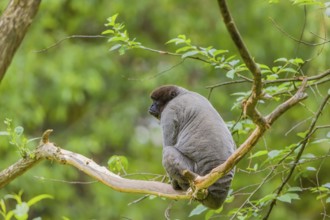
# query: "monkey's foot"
200, 194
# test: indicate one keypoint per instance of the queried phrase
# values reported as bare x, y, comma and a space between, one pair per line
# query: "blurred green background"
96, 101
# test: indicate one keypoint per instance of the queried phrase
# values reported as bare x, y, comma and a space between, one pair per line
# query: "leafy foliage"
21, 210
119, 36
17, 139
96, 101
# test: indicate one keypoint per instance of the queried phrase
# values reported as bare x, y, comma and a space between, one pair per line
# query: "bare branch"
316, 77
17, 169
295, 39
299, 96
67, 38
108, 178
48, 150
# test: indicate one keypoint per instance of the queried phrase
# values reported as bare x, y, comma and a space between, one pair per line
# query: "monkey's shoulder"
190, 103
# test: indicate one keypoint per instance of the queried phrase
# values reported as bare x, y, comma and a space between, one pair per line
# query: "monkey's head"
160, 97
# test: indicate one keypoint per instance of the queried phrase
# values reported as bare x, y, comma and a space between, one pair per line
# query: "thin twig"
67, 38
227, 83
101, 36
316, 77
296, 161
295, 39
302, 29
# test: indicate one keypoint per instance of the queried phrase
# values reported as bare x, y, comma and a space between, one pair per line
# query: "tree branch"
47, 150
207, 180
299, 96
17, 169
316, 77
14, 24
249, 107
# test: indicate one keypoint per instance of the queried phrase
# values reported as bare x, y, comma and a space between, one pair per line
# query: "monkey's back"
192, 126
202, 134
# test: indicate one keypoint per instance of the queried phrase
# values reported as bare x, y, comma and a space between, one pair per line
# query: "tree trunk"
14, 24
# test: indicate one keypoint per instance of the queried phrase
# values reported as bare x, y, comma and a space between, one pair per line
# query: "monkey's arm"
175, 163
170, 127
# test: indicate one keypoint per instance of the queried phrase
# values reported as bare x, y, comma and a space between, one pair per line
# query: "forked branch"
48, 150
207, 180
249, 107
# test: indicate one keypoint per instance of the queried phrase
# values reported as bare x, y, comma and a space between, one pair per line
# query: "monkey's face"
160, 97
155, 109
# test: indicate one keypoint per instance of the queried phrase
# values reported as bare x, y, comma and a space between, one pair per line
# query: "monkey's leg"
175, 163
218, 192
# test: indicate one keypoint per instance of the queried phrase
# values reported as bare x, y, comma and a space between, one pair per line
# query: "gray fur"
195, 138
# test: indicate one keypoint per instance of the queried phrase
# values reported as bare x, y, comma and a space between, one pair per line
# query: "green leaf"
183, 49
231, 74
298, 61
108, 32
172, 41
19, 130
112, 20
118, 163
38, 198
274, 153
114, 39
284, 60
288, 70
263, 66
3, 206
302, 134
21, 210
275, 69
198, 210
179, 40
327, 185
288, 197
309, 156
115, 47
311, 169
327, 200
295, 189
266, 199
272, 77
190, 54
259, 153
217, 52
321, 196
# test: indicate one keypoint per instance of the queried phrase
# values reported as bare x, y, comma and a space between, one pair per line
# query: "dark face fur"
160, 97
